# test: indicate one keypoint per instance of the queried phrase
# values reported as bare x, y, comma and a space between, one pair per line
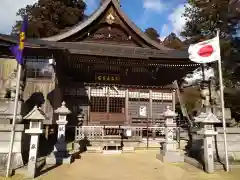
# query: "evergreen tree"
204, 18
153, 34
172, 41
49, 17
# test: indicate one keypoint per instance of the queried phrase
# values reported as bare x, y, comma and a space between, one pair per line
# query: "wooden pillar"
174, 100
89, 104
108, 103
151, 113
126, 106
150, 105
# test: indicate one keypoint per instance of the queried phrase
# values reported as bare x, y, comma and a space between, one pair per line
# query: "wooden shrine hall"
106, 70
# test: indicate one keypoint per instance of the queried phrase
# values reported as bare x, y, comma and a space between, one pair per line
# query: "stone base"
112, 152
193, 162
171, 156
94, 149
53, 159
3, 172
169, 146
217, 165
76, 146
24, 171
128, 149
17, 160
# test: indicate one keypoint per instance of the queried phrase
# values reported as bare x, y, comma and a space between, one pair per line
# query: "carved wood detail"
110, 33
109, 28
111, 17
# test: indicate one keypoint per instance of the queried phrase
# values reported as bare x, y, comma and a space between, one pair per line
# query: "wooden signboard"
143, 111
101, 77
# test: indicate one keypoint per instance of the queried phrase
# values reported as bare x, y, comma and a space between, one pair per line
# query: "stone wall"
6, 67
233, 142
195, 146
18, 147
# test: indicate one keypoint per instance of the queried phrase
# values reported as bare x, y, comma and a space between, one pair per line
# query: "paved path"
137, 166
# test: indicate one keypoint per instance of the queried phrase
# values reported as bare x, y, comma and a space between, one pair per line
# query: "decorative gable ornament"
110, 19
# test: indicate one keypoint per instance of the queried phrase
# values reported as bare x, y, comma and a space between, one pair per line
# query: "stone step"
112, 152
127, 149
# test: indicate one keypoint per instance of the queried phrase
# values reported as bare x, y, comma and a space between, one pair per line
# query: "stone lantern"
36, 118
62, 112
60, 154
207, 121
169, 152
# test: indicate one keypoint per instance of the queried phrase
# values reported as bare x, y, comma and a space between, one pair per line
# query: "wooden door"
107, 106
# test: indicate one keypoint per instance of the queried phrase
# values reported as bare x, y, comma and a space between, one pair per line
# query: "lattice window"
159, 96
167, 96
139, 95
116, 105
139, 69
38, 68
107, 99
98, 104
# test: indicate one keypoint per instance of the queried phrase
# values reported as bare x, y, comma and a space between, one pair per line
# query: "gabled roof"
103, 8
149, 49
99, 49
36, 114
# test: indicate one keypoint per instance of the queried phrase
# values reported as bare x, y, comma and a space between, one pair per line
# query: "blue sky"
163, 15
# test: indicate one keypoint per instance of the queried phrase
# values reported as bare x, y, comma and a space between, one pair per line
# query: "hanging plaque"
143, 111
101, 77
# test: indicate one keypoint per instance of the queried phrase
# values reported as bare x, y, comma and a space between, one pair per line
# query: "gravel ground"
141, 165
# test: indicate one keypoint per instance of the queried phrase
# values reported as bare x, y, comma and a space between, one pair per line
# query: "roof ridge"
83, 24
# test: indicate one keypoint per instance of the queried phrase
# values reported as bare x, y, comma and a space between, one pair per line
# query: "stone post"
60, 154
169, 152
36, 117
207, 121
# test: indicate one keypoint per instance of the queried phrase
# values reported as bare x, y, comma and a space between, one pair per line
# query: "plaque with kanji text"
111, 78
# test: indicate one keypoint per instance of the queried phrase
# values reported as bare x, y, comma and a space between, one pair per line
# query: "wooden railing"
97, 133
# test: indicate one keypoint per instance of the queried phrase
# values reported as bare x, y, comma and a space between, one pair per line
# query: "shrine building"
105, 68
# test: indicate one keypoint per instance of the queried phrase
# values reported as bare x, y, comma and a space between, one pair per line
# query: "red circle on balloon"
205, 51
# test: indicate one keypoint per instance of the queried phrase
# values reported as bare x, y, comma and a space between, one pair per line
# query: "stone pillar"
32, 161
36, 117
169, 152
61, 143
207, 121
60, 154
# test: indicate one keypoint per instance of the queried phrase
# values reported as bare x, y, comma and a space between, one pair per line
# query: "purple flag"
17, 50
